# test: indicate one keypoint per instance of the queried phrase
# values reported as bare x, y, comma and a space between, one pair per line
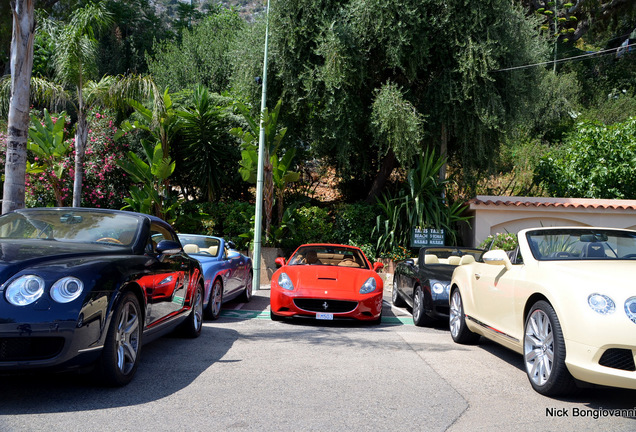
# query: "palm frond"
46, 92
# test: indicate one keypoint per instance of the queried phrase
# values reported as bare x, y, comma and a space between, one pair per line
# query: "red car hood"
330, 278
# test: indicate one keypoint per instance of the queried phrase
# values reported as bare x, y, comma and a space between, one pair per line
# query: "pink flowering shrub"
104, 184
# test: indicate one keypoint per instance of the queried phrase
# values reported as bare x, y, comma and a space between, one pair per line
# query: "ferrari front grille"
323, 305
618, 358
30, 348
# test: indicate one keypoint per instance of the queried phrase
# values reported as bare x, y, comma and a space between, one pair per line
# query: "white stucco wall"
493, 214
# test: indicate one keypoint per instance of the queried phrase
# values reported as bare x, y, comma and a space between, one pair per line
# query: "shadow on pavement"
166, 366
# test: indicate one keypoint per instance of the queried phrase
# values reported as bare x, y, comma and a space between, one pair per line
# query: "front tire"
194, 322
213, 311
420, 318
246, 296
457, 321
396, 298
120, 356
544, 352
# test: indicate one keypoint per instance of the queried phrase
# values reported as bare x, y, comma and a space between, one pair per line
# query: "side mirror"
497, 257
280, 261
168, 247
377, 266
410, 262
231, 244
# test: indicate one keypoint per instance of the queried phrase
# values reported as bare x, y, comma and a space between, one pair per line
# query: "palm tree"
207, 145
18, 125
276, 169
75, 64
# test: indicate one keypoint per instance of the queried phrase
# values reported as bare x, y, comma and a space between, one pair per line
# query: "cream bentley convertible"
565, 299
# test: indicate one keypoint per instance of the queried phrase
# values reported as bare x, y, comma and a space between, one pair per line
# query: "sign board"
421, 237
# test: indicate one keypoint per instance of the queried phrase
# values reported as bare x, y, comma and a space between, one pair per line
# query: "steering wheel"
109, 240
632, 255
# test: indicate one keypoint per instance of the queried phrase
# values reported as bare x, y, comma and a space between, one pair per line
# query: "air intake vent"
618, 358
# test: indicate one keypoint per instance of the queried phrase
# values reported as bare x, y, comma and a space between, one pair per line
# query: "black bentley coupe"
424, 282
86, 286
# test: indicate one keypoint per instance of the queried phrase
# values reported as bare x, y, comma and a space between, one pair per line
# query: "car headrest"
191, 248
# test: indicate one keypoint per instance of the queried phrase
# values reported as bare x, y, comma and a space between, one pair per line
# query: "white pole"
256, 281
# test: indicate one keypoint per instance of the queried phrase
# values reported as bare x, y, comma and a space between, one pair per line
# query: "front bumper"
609, 365
439, 305
366, 307
48, 338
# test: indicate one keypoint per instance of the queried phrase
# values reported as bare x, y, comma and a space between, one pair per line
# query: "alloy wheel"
127, 338
455, 313
539, 347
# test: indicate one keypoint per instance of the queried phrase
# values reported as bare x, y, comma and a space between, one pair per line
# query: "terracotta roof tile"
583, 203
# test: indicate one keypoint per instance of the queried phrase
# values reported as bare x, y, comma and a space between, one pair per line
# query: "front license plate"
324, 316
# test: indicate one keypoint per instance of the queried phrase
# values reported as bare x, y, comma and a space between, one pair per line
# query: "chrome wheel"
127, 338
247, 293
420, 317
417, 304
539, 348
216, 299
396, 299
122, 347
455, 313
197, 310
193, 324
544, 352
457, 321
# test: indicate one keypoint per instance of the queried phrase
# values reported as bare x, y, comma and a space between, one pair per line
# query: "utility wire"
597, 53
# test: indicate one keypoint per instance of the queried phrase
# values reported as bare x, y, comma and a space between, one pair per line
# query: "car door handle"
477, 275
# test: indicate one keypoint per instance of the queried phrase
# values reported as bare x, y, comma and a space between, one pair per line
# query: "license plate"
324, 316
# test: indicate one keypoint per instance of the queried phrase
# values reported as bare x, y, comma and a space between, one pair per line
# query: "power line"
597, 53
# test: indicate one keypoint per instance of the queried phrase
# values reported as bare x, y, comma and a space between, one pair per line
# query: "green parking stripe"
247, 314
397, 320
244, 314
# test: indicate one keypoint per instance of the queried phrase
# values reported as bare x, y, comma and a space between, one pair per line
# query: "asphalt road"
247, 373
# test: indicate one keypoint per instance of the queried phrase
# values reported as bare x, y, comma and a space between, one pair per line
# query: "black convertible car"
423, 282
89, 286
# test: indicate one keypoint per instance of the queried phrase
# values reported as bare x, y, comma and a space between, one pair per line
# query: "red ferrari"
327, 282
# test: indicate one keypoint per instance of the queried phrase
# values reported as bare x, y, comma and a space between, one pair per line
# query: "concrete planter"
268, 266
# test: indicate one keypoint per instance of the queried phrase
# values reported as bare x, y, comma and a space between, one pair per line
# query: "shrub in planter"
503, 241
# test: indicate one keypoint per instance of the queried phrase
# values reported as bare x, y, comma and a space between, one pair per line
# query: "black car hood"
18, 255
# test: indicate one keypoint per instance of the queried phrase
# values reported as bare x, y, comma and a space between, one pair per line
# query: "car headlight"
25, 290
630, 308
368, 286
438, 287
66, 289
285, 282
601, 303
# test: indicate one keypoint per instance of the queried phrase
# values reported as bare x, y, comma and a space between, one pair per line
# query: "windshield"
582, 244
200, 244
329, 256
70, 226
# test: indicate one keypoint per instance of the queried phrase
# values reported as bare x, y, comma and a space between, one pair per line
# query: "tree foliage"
419, 203
596, 161
209, 154
331, 61
202, 56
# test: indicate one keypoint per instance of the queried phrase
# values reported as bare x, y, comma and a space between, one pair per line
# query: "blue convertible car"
227, 272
